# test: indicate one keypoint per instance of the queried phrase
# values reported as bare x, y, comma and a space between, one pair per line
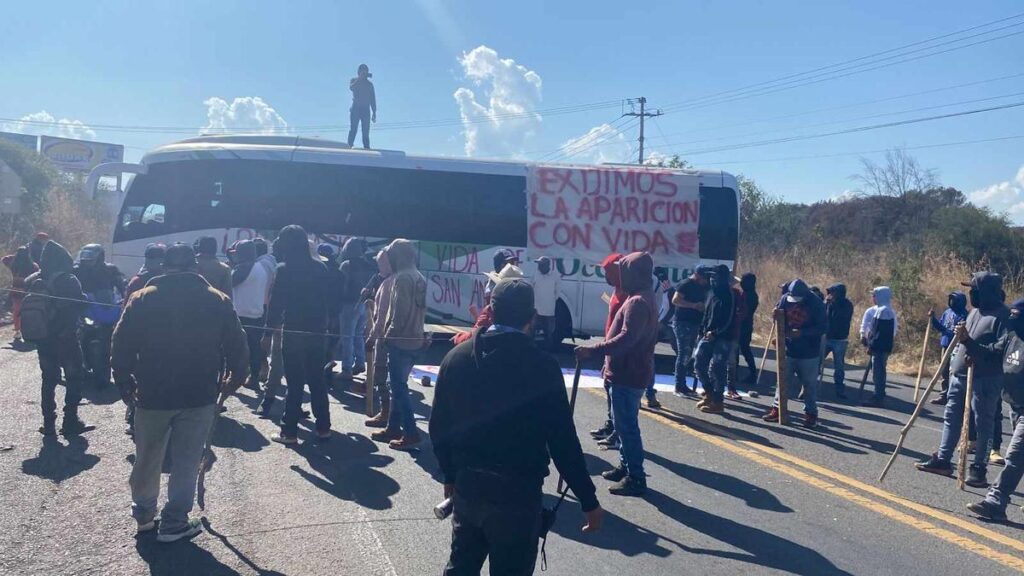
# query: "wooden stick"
767, 346
572, 402
864, 379
371, 381
964, 432
924, 351
920, 406
780, 365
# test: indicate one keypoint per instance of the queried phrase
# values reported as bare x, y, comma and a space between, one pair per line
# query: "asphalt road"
728, 494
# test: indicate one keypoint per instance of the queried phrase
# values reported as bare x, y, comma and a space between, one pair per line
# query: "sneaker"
771, 416
615, 475
629, 486
252, 383
129, 429
940, 401
976, 477
809, 421
358, 388
281, 438
359, 369
604, 431
143, 527
935, 465
187, 531
74, 427
386, 435
988, 510
653, 403
380, 420
323, 436
406, 442
713, 407
702, 403
996, 458
345, 375
263, 412
732, 395
609, 443
685, 392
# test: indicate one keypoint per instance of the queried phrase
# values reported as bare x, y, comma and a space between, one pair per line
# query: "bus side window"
718, 227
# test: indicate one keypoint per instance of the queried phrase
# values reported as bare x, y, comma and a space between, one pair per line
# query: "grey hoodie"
407, 311
984, 325
55, 266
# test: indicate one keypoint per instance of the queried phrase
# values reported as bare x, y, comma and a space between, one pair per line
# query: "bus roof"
305, 149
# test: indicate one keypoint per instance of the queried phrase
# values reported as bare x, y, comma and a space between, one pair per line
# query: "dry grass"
914, 294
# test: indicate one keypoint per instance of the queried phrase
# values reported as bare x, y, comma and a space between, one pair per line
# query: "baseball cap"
512, 302
181, 256
155, 251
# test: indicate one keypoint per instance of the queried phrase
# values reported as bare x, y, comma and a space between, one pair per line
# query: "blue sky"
182, 66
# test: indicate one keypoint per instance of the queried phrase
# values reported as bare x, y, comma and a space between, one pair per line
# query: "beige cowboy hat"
510, 271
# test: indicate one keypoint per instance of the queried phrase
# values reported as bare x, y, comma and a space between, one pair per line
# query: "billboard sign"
79, 155
26, 140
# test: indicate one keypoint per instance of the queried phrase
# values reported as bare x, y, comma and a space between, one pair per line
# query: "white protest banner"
588, 213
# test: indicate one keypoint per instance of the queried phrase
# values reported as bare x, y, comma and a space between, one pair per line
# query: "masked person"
249, 283
839, 312
714, 350
104, 287
35, 247
804, 326
381, 303
748, 284
1011, 346
298, 306
878, 333
21, 266
59, 349
364, 105
689, 298
152, 266
629, 359
356, 272
955, 313
485, 318
500, 415
328, 253
984, 325
605, 435
217, 273
547, 286
167, 355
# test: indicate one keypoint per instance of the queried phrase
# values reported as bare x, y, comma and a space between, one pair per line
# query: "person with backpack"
52, 325
839, 313
945, 325
21, 266
249, 282
718, 339
1010, 346
356, 272
104, 287
500, 415
169, 347
298, 306
217, 273
878, 333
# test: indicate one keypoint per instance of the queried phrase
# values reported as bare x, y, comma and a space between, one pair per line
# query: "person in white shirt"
249, 282
547, 285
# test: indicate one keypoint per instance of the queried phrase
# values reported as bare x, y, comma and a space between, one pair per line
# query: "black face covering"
975, 297
544, 266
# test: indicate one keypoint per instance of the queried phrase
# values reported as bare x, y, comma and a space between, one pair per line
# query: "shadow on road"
59, 462
182, 557
754, 496
234, 550
346, 468
617, 534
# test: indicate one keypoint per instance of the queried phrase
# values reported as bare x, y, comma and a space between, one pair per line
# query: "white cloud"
845, 195
498, 115
245, 114
43, 123
1004, 197
599, 145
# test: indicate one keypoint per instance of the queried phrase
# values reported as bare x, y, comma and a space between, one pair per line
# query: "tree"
900, 175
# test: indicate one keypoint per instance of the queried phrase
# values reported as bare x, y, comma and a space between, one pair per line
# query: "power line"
618, 126
642, 115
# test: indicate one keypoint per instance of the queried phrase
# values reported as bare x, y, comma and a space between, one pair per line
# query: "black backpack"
37, 310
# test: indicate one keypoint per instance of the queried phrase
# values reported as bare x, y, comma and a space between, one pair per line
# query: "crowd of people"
188, 330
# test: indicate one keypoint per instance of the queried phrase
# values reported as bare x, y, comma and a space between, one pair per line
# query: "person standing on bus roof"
298, 305
217, 273
364, 105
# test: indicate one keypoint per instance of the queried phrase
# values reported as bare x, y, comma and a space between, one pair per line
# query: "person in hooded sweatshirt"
985, 324
249, 281
629, 360
21, 266
217, 273
500, 415
1011, 346
152, 267
839, 311
805, 325
689, 299
265, 259
605, 435
878, 333
381, 295
298, 306
60, 351
748, 284
356, 271
714, 351
945, 325
403, 339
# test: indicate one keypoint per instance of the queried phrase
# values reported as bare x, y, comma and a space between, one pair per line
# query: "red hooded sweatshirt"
629, 342
612, 275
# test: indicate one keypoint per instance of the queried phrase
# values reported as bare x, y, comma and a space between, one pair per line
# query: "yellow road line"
755, 452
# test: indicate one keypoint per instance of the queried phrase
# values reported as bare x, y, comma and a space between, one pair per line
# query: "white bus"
460, 211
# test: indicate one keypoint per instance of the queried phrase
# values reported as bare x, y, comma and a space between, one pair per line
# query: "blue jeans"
806, 371
1009, 478
711, 363
686, 339
400, 363
838, 350
984, 404
351, 344
626, 409
879, 375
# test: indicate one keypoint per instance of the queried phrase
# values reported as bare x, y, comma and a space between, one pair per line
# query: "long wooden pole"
964, 431
572, 403
371, 380
924, 352
864, 379
920, 406
780, 365
767, 346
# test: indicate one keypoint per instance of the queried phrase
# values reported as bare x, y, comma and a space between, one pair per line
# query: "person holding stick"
805, 325
955, 313
839, 311
688, 301
1011, 346
717, 343
877, 333
983, 327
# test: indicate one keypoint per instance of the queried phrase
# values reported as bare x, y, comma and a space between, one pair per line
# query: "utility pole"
643, 115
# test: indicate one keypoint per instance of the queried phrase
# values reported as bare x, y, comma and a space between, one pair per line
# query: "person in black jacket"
364, 105
748, 283
298, 304
499, 410
839, 312
356, 272
717, 339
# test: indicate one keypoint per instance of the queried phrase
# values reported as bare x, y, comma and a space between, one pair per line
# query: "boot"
49, 427
73, 426
381, 419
